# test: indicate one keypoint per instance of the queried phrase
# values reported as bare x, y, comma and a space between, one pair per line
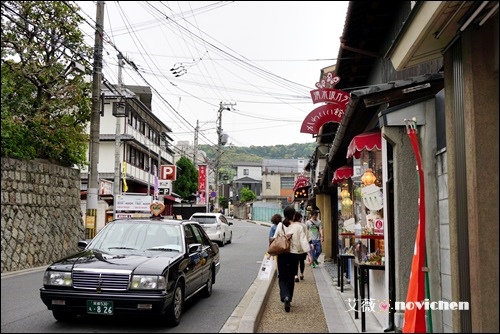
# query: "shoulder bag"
280, 244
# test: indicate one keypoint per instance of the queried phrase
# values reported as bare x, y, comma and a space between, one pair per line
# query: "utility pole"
195, 145
95, 124
120, 104
221, 141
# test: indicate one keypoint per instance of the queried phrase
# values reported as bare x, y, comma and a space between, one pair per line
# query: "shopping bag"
280, 244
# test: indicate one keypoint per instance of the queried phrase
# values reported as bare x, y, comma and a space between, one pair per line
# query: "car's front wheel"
174, 310
64, 316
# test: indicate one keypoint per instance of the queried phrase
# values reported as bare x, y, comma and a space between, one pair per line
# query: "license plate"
99, 307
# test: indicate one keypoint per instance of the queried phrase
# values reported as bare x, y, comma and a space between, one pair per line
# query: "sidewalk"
318, 306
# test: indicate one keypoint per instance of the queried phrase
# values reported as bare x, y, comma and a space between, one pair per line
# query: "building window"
268, 185
287, 182
246, 171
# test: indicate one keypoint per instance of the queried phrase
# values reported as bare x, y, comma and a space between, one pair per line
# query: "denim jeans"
317, 249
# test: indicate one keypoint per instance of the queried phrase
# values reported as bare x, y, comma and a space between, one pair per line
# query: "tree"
247, 195
46, 106
187, 178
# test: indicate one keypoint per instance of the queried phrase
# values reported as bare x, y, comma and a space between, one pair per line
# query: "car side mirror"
82, 244
193, 248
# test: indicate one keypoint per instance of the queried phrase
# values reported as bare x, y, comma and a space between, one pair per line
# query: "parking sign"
168, 172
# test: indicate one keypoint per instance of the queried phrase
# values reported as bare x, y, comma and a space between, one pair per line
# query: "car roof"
206, 214
154, 220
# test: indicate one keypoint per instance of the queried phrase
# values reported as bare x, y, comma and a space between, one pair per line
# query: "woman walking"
316, 231
275, 219
288, 262
305, 252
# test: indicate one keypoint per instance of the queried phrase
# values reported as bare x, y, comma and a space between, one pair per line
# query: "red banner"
202, 178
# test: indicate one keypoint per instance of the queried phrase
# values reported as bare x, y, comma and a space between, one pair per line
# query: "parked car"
216, 225
134, 267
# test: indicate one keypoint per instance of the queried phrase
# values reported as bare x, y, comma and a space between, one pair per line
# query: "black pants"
287, 268
302, 264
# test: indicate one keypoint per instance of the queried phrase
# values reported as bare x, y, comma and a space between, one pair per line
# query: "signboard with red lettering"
202, 178
168, 172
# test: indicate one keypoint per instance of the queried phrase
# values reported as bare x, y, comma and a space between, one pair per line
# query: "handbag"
280, 244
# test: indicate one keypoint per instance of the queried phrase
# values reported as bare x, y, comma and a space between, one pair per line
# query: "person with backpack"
315, 229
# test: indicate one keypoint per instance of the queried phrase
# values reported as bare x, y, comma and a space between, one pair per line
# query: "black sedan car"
134, 267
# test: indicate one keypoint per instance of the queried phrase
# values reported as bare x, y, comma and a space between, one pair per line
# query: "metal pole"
217, 158
116, 186
195, 145
219, 151
95, 124
149, 170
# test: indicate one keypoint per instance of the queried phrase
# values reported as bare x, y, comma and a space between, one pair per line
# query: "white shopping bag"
267, 267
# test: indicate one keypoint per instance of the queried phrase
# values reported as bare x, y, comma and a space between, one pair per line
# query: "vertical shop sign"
202, 184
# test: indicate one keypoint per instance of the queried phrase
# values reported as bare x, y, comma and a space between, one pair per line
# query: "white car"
216, 225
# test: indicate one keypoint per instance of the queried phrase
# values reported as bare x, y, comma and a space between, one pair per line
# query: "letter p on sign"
168, 172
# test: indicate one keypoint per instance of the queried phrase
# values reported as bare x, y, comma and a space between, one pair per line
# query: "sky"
260, 59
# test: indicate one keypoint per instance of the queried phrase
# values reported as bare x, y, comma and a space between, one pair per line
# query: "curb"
251, 319
247, 315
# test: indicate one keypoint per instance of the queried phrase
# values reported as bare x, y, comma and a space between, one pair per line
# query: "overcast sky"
261, 58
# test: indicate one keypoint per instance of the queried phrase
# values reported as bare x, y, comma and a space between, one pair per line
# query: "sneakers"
287, 304
316, 262
313, 265
296, 278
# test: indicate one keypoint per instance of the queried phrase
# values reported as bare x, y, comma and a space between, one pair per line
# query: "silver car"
216, 225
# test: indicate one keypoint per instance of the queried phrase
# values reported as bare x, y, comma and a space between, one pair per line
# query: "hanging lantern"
347, 202
368, 177
345, 193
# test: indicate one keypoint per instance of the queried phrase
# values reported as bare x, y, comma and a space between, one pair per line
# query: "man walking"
316, 232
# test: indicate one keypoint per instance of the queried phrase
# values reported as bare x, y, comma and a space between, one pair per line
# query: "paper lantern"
368, 177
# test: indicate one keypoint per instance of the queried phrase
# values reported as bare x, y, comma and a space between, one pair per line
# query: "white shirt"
299, 239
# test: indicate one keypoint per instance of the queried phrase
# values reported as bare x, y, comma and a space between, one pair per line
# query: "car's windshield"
204, 219
138, 235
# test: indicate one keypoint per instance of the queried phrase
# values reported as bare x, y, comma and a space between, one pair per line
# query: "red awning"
301, 182
342, 173
369, 141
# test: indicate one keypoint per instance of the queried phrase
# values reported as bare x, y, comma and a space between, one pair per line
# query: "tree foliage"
247, 195
258, 153
46, 106
186, 183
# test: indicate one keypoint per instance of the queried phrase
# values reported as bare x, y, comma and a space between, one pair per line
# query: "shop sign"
336, 103
331, 95
138, 203
378, 225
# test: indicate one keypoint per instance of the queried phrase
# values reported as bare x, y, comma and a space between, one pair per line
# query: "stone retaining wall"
41, 213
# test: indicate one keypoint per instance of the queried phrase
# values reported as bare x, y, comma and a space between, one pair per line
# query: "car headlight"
146, 282
59, 278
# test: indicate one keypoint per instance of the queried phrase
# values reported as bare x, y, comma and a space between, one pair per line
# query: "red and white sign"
168, 172
379, 226
331, 95
202, 178
321, 115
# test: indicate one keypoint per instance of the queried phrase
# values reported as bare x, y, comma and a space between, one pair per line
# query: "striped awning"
370, 140
342, 173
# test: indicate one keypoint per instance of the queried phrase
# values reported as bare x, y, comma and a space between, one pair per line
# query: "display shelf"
371, 236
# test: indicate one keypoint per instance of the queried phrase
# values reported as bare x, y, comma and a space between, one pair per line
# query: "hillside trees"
46, 105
